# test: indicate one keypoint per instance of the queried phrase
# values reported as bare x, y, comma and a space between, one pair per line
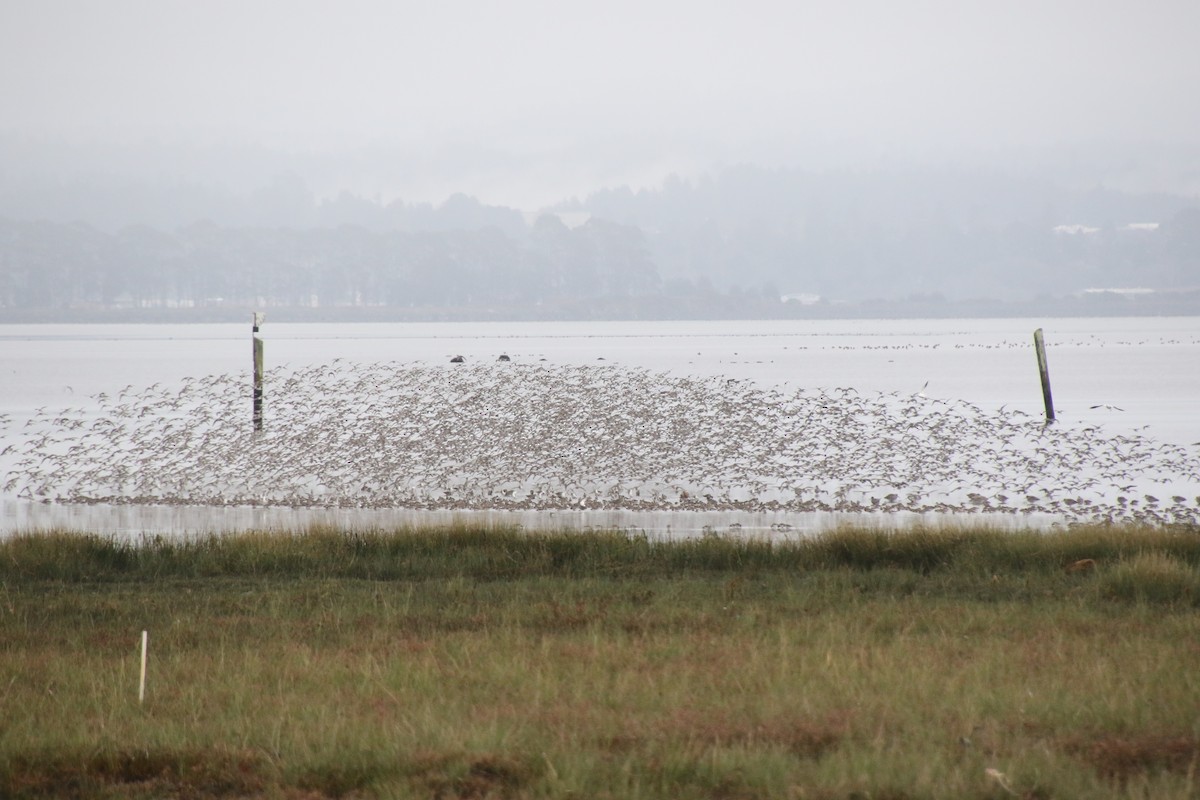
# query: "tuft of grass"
1152, 577
65, 555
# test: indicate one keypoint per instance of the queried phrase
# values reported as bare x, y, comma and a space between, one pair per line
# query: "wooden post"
258, 373
1039, 344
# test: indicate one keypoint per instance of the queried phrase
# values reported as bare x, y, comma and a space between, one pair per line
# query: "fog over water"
527, 103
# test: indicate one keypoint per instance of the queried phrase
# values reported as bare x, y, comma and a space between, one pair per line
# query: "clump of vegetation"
1152, 577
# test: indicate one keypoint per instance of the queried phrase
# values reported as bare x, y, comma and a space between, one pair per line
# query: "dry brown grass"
1120, 758
193, 773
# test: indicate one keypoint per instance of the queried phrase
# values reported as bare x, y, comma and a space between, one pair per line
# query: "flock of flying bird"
509, 435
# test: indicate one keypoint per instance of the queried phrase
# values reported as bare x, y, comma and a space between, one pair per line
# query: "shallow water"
131, 522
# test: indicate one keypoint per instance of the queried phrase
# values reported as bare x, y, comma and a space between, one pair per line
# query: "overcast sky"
522, 100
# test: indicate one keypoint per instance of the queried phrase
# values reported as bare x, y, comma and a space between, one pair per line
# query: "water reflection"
133, 521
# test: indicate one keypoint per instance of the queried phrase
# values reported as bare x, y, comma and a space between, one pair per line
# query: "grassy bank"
493, 663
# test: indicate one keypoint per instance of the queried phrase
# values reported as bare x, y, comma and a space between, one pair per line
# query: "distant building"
1132, 227
1126, 292
802, 298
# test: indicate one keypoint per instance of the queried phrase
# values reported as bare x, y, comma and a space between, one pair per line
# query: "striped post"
258, 373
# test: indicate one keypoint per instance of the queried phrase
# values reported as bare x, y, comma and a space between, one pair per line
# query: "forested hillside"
743, 241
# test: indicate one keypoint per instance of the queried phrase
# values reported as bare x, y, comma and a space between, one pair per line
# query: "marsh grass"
472, 663
484, 553
1152, 577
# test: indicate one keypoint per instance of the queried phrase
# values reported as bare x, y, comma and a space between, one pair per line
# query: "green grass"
477, 663
508, 554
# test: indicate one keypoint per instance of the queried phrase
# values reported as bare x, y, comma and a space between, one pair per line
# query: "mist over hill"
891, 234
205, 232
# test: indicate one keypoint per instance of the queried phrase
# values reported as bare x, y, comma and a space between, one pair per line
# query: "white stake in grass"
142, 682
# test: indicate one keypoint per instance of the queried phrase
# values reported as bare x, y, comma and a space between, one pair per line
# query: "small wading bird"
600, 430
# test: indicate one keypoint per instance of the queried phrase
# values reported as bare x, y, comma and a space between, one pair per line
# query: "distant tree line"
731, 244
880, 235
49, 265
